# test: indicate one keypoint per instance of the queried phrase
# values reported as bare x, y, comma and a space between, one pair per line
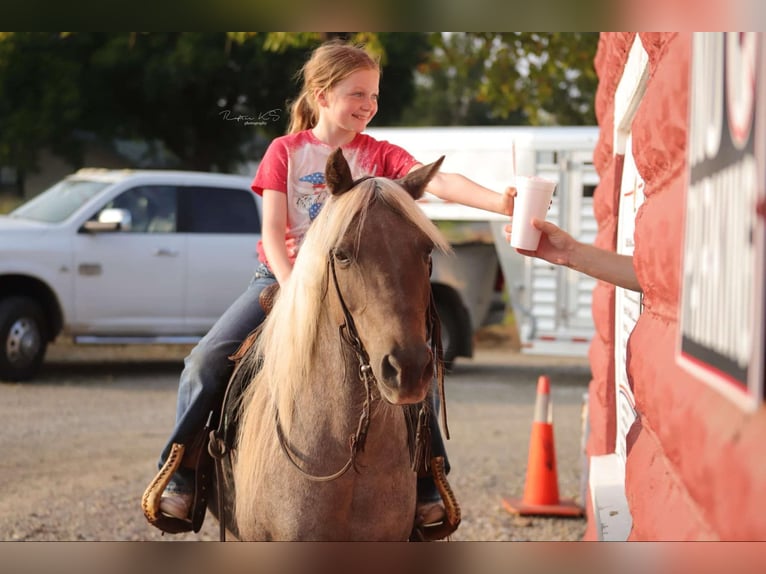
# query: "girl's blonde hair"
330, 63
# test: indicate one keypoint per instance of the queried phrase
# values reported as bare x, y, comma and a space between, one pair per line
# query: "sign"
721, 320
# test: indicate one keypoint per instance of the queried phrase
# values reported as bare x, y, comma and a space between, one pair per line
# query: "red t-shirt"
294, 164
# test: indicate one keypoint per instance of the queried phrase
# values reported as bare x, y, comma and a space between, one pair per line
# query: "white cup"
533, 197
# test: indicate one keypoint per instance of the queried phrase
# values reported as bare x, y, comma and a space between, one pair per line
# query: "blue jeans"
207, 370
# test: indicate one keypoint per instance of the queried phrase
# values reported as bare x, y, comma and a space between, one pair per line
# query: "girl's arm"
459, 189
273, 233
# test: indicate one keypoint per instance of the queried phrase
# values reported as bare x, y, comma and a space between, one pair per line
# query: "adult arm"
558, 247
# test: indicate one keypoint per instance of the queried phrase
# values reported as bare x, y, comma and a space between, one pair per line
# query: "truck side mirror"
110, 219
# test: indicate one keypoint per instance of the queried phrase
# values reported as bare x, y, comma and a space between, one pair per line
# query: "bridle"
420, 442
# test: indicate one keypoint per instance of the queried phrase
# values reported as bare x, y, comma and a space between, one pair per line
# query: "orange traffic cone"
541, 491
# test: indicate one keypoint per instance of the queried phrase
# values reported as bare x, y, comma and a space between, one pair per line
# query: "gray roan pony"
324, 449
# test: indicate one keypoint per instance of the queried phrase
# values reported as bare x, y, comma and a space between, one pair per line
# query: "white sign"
721, 317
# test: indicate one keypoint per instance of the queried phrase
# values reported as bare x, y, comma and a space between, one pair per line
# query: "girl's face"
352, 102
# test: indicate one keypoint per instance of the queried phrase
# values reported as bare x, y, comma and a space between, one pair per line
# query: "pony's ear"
337, 174
416, 181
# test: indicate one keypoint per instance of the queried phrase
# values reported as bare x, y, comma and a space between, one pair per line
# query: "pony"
325, 444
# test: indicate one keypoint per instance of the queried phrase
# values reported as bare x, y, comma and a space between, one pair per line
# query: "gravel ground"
79, 444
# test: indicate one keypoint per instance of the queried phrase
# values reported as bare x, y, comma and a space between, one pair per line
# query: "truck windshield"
57, 203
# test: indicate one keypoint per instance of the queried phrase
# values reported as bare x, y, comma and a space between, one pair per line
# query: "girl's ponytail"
303, 116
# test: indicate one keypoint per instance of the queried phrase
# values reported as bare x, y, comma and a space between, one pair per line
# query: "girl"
338, 99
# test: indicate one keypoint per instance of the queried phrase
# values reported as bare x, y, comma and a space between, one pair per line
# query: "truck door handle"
165, 252
89, 269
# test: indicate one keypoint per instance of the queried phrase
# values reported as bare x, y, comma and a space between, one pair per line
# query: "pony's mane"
286, 347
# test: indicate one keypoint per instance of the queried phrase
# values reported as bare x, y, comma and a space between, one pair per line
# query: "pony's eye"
341, 256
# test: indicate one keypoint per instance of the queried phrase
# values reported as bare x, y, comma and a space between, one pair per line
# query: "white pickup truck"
123, 257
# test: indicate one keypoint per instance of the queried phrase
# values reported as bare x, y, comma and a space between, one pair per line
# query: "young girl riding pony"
338, 100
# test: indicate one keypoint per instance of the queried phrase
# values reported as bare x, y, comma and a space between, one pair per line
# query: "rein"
350, 336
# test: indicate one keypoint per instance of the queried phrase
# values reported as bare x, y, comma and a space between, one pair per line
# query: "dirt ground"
79, 444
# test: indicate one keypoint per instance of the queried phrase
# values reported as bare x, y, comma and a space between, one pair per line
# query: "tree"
200, 95
402, 53
40, 99
508, 77
548, 76
448, 83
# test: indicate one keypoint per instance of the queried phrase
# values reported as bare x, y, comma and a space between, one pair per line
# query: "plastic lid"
535, 182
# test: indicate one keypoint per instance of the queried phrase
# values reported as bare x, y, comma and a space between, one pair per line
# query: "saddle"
216, 439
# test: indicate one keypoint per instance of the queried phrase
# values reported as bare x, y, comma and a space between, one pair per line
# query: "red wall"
696, 468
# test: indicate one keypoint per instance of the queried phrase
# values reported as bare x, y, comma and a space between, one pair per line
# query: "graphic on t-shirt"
313, 203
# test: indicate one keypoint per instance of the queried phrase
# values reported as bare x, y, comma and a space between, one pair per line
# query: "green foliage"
403, 53
8, 202
40, 95
448, 82
478, 78
200, 94
549, 77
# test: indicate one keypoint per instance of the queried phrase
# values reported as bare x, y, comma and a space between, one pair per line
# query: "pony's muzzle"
406, 375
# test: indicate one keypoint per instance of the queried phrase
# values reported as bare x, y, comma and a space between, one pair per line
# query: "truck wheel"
450, 334
22, 338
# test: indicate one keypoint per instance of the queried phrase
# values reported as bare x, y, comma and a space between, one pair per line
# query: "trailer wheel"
450, 334
22, 338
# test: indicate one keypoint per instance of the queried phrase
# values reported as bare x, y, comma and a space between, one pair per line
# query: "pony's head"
380, 267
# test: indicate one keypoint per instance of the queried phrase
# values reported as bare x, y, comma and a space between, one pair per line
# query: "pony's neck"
329, 408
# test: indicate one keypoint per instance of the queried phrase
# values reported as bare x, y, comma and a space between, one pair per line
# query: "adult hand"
555, 246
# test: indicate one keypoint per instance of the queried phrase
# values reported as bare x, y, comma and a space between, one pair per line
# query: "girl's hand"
508, 196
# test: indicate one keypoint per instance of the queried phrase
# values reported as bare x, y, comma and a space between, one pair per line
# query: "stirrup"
443, 529
201, 462
150, 501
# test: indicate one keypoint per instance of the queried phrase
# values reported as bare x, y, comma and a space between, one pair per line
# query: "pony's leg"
207, 370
